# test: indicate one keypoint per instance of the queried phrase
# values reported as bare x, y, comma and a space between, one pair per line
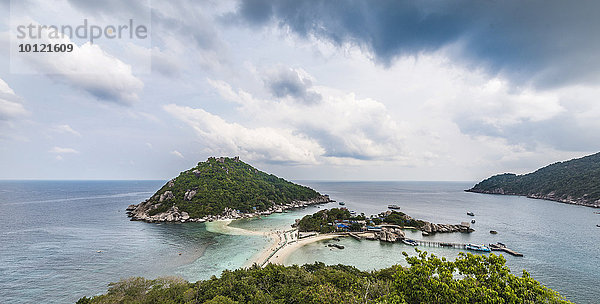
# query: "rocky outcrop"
142, 211
166, 196
445, 228
389, 234
189, 194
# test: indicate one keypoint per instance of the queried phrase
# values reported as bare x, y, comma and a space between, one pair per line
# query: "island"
223, 188
385, 226
576, 181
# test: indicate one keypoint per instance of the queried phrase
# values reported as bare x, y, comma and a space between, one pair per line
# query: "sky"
307, 90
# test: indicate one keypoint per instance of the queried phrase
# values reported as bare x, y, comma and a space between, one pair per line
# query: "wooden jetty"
463, 246
440, 244
510, 251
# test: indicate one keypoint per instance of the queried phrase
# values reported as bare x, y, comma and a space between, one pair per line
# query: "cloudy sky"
334, 90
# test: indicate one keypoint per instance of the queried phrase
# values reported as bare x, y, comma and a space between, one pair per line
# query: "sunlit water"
62, 240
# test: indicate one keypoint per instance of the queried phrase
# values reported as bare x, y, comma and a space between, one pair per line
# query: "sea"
62, 240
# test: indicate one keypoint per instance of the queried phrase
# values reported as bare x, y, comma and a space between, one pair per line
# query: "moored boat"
478, 247
342, 203
393, 206
410, 242
493, 232
498, 246
471, 213
338, 246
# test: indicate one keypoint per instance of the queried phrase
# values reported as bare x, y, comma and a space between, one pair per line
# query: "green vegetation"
222, 183
400, 219
324, 220
575, 180
469, 279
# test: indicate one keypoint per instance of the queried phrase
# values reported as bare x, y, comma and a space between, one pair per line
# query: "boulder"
189, 194
167, 195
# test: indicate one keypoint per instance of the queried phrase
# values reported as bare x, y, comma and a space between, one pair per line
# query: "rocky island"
386, 226
576, 181
222, 188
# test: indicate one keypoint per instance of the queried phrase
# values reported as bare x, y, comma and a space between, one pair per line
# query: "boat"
353, 212
425, 233
338, 246
471, 213
393, 206
342, 203
410, 242
472, 221
597, 225
477, 247
497, 247
493, 232
445, 244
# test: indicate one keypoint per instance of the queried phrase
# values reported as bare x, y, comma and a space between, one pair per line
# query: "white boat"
410, 242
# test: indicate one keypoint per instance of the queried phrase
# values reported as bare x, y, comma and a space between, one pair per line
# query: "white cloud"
66, 129
177, 153
266, 144
344, 125
61, 150
88, 67
10, 107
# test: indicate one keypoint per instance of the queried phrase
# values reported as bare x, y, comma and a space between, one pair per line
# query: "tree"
484, 279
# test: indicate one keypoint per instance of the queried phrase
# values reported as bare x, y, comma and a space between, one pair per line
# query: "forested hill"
225, 187
576, 181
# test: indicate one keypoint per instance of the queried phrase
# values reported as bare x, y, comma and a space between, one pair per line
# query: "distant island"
576, 181
223, 188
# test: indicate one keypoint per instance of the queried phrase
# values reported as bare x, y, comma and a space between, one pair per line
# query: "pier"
464, 246
428, 243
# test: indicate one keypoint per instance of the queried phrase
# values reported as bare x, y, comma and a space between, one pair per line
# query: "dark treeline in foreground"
468, 279
576, 181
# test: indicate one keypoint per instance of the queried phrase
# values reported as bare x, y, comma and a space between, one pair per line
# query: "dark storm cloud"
543, 43
289, 82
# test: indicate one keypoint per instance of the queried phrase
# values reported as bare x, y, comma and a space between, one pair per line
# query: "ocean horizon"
61, 240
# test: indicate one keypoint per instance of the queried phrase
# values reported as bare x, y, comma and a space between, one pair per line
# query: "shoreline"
538, 197
284, 252
282, 245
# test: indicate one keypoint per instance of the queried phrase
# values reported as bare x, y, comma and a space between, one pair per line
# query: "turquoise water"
560, 242
51, 232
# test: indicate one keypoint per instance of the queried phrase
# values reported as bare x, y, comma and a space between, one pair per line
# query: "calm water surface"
60, 240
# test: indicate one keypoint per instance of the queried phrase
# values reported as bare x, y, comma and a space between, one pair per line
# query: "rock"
167, 195
171, 183
185, 216
189, 194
